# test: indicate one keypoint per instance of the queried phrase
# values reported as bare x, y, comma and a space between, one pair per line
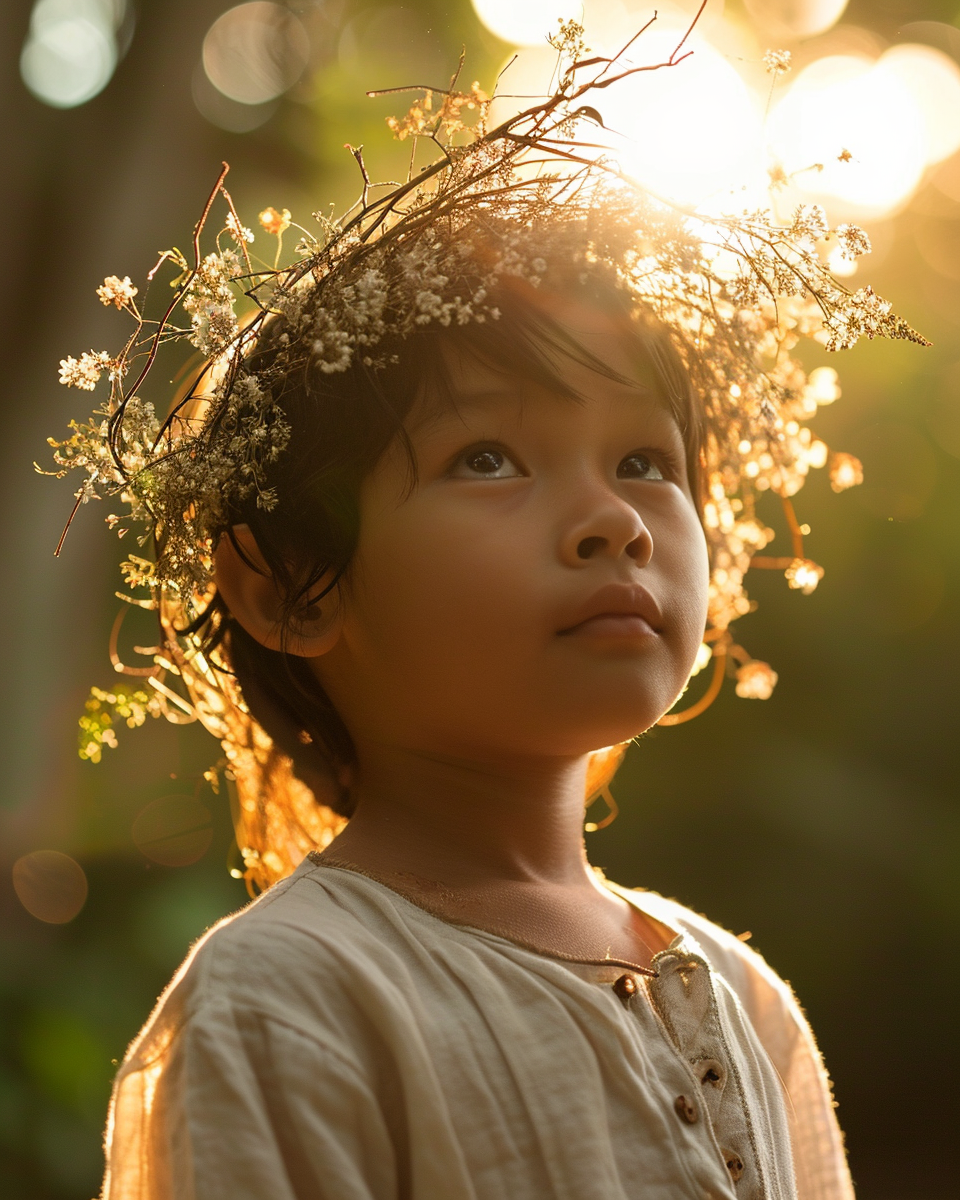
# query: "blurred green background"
825, 820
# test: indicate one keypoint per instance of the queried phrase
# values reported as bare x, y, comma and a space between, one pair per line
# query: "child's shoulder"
767, 998
300, 954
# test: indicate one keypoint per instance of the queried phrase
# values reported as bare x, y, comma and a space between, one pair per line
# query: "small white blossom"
85, 372
853, 241
756, 680
777, 62
116, 291
239, 233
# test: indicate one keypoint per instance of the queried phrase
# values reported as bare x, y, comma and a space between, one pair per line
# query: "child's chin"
616, 715
600, 729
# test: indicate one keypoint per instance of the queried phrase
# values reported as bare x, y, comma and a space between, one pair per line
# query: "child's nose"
614, 530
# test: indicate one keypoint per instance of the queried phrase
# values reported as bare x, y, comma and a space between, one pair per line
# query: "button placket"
683, 994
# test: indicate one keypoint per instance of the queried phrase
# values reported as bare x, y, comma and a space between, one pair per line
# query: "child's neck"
466, 822
497, 844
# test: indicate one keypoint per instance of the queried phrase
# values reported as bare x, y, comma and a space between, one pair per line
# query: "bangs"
529, 343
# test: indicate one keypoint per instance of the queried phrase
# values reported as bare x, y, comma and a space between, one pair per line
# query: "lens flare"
796, 18
51, 886
933, 80
864, 131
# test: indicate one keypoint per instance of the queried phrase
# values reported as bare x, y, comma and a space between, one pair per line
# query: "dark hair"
341, 425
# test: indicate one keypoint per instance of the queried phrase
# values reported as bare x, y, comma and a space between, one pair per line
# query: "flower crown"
735, 293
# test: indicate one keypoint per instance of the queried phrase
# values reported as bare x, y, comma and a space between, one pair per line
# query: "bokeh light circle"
933, 80
223, 112
861, 123
67, 60
688, 131
796, 18
174, 831
255, 52
51, 886
528, 22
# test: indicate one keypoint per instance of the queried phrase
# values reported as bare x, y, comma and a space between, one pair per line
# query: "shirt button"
625, 987
734, 1164
686, 1110
710, 1071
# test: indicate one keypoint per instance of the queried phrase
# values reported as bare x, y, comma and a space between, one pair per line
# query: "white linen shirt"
334, 1041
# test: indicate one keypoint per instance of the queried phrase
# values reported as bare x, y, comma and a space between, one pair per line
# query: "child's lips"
612, 625
616, 611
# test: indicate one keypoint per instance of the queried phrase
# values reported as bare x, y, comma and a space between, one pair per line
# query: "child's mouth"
618, 610
629, 626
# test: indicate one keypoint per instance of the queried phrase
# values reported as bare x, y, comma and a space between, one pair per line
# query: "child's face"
542, 589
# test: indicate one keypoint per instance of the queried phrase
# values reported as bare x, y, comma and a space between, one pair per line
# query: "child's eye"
638, 466
485, 462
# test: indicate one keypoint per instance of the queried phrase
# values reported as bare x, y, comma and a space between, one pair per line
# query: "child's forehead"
476, 391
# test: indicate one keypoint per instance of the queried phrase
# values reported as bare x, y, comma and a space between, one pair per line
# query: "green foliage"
104, 710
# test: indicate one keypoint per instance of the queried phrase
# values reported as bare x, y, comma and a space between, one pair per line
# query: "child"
447, 531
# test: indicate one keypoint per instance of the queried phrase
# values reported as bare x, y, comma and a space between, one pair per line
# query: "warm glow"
704, 656
846, 471
873, 126
756, 680
934, 82
526, 23
803, 575
688, 132
823, 385
796, 18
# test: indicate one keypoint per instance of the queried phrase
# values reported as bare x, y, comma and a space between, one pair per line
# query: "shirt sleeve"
235, 1105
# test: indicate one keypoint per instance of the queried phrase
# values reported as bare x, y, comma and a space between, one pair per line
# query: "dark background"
825, 820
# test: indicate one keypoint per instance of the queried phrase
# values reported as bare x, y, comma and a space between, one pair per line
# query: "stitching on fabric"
342, 865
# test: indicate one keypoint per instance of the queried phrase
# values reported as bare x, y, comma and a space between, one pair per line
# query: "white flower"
239, 233
85, 372
116, 291
809, 222
777, 62
853, 241
756, 680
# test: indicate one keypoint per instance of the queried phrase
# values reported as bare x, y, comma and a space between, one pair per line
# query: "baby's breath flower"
803, 575
116, 291
846, 471
239, 233
275, 221
735, 295
84, 372
777, 62
853, 241
756, 680
809, 222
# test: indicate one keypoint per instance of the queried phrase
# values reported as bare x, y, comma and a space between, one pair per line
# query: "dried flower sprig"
528, 198
737, 291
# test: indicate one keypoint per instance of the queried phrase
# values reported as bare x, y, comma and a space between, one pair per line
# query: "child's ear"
251, 595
